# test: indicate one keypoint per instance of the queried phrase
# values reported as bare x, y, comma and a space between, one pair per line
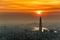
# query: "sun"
38, 12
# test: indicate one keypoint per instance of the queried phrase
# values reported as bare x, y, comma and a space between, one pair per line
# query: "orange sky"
24, 5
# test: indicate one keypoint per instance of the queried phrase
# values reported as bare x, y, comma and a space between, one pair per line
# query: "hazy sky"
22, 11
22, 18
24, 5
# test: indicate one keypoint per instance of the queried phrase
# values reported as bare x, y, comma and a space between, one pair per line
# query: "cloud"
18, 5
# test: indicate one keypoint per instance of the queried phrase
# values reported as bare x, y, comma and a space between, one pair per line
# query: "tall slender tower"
40, 24
40, 20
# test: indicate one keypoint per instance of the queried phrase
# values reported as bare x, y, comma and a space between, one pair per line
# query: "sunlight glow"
38, 12
37, 29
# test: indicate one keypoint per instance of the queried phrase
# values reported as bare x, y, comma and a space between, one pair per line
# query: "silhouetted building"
40, 24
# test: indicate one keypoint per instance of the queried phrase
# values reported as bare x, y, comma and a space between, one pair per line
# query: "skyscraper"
40, 24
